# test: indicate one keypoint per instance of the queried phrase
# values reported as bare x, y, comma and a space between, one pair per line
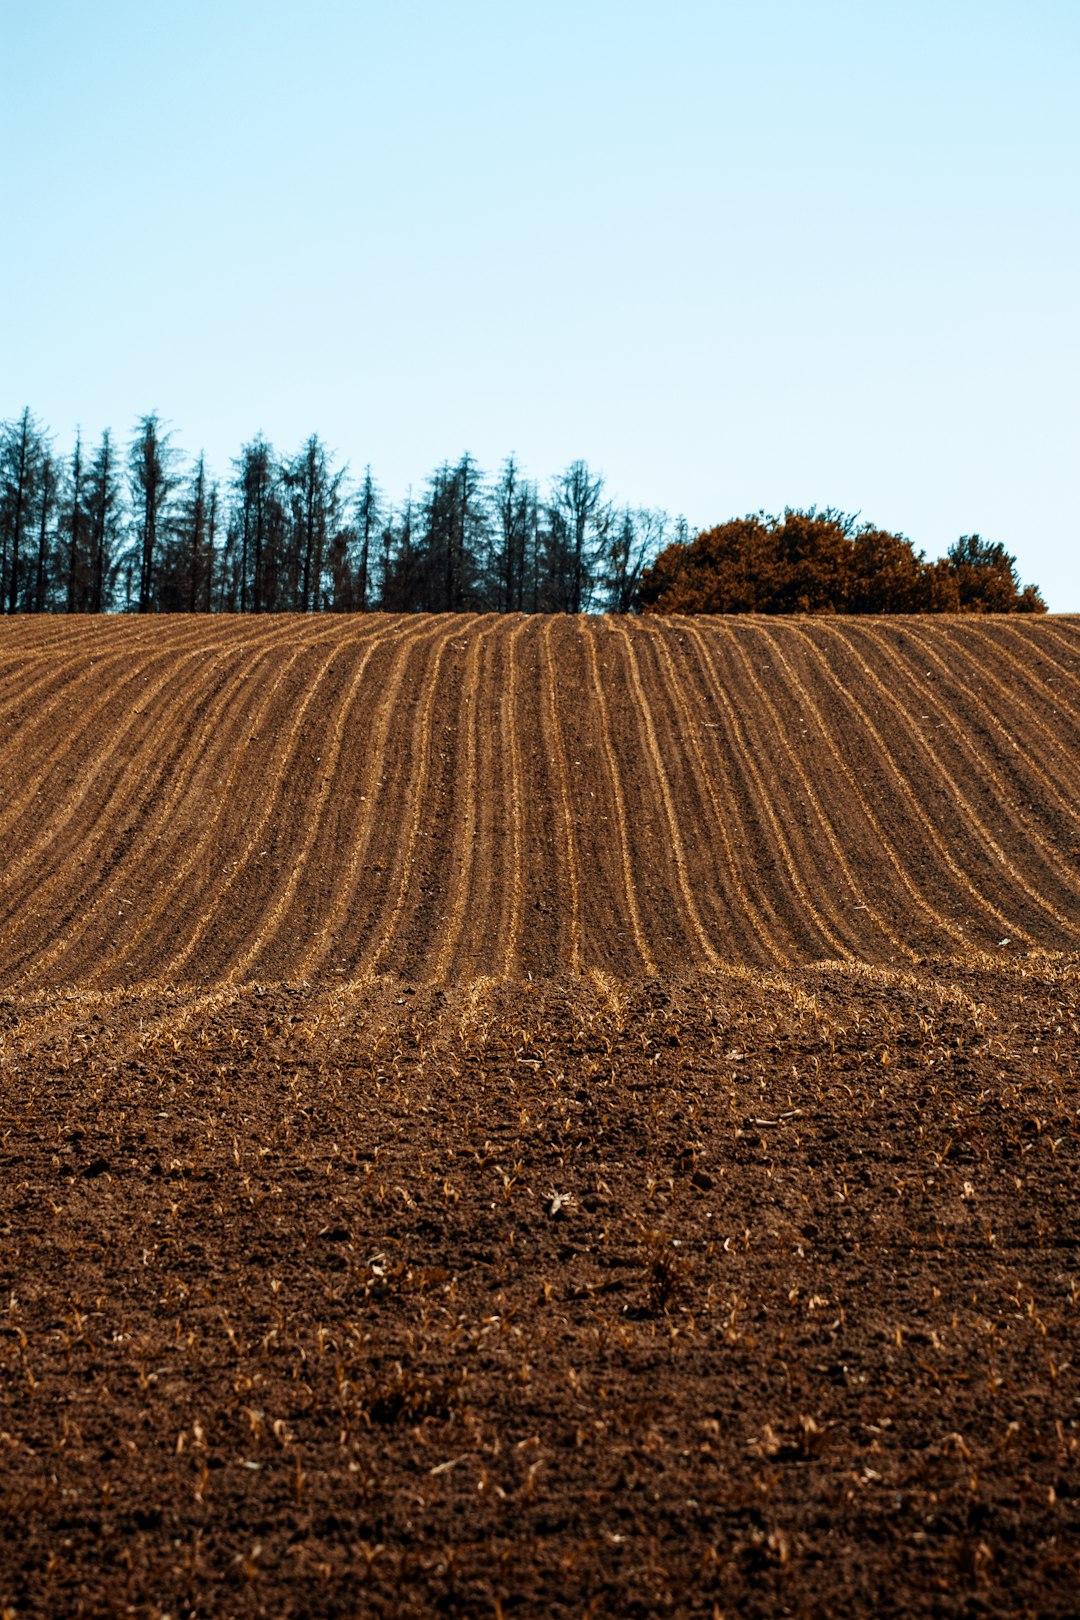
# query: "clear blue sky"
735, 253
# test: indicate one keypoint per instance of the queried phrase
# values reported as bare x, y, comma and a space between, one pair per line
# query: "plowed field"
534, 1117
440, 798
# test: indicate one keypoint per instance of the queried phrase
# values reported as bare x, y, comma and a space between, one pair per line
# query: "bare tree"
315, 505
48, 486
454, 536
104, 511
151, 463
194, 522
253, 486
635, 538
515, 504
134, 530
72, 523
211, 544
187, 571
22, 453
400, 587
578, 517
369, 516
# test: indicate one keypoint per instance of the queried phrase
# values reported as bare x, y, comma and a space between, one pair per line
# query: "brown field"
539, 1117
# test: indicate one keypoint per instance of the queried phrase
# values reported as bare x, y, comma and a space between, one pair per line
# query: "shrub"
826, 562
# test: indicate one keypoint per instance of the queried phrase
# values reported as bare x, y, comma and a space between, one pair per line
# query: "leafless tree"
104, 511
578, 517
151, 464
22, 453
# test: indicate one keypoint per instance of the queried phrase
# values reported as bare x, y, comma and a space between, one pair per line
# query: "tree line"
136, 527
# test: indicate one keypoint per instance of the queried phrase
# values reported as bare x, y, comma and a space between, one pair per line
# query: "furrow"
270, 922
541, 937
1011, 704
381, 944
224, 772
964, 803
68, 649
886, 757
766, 938
482, 945
325, 947
557, 751
619, 800
1060, 633
1061, 748
198, 808
678, 849
810, 917
785, 752
62, 743
273, 792
464, 861
152, 850
884, 844
511, 748
121, 779
754, 908
1005, 796
33, 688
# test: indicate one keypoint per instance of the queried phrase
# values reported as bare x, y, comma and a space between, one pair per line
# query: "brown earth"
212, 801
536, 1117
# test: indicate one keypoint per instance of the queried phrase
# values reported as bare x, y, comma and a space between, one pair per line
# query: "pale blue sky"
736, 255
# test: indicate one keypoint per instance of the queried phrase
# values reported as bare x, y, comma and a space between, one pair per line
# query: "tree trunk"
43, 530
20, 505
76, 513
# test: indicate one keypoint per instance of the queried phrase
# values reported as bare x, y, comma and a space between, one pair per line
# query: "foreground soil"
716, 1293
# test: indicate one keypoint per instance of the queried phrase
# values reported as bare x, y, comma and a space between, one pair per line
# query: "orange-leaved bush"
827, 562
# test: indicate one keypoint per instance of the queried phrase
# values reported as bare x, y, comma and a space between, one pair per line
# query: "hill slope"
212, 800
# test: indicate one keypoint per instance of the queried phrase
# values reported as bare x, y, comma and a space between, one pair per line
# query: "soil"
539, 1117
281, 799
721, 1294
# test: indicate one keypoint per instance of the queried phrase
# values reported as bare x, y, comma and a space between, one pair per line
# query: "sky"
736, 254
